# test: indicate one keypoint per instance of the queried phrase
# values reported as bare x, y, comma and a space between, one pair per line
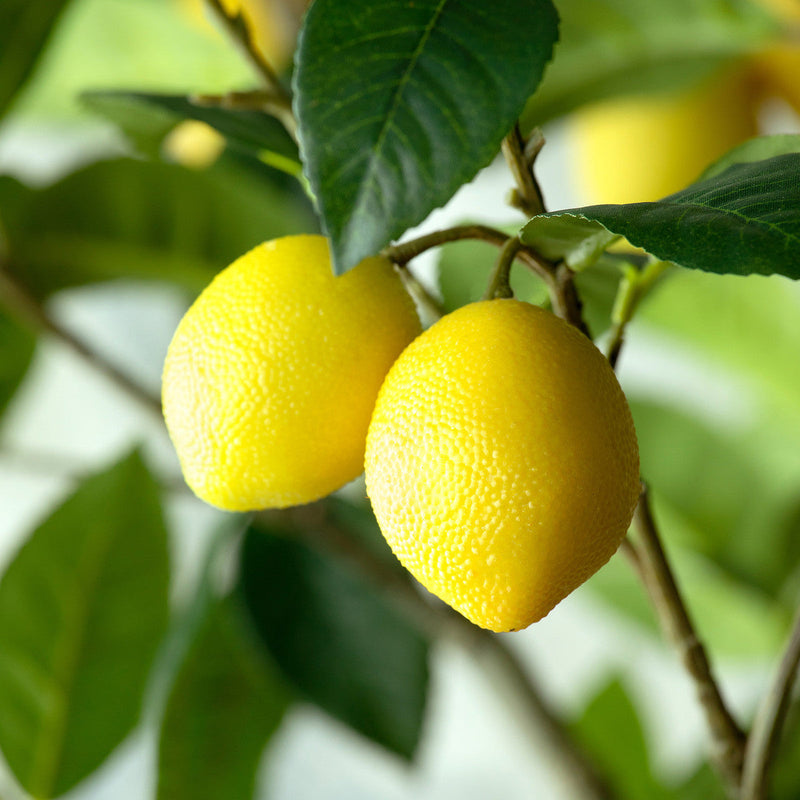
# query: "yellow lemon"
637, 149
502, 462
272, 374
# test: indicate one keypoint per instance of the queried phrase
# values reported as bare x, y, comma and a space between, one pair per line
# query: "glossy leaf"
83, 609
146, 118
145, 221
611, 733
226, 703
400, 103
25, 26
743, 221
615, 47
337, 639
17, 345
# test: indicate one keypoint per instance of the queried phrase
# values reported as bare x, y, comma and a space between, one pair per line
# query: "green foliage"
623, 756
341, 643
226, 703
101, 223
147, 118
83, 609
401, 122
616, 47
742, 221
25, 26
17, 346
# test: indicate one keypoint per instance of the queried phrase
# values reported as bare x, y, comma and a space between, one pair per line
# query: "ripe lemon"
502, 462
637, 149
272, 374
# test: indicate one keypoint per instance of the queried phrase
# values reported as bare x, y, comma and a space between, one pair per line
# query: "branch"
765, 734
520, 157
20, 300
655, 571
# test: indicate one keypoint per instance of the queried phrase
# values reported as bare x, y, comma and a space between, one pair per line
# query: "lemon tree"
365, 443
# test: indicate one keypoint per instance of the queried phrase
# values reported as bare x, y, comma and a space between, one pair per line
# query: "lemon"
272, 374
502, 462
642, 148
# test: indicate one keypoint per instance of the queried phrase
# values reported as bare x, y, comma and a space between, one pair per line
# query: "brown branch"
728, 739
20, 301
527, 197
765, 734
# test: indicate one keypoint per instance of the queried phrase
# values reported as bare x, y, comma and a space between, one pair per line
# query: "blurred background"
142, 215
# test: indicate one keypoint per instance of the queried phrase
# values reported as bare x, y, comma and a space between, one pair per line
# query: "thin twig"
527, 197
500, 282
727, 737
765, 734
236, 27
438, 620
20, 301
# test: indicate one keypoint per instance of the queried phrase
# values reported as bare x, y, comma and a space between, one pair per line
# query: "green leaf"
337, 639
743, 221
704, 784
612, 735
614, 47
579, 242
400, 103
759, 148
25, 26
226, 703
140, 220
146, 118
83, 608
17, 345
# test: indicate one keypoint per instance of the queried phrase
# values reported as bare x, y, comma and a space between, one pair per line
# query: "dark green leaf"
140, 220
337, 639
16, 352
743, 221
611, 733
25, 26
400, 103
226, 703
83, 608
785, 777
147, 118
614, 47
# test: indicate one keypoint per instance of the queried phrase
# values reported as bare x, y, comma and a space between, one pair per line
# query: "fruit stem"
657, 576
499, 284
769, 720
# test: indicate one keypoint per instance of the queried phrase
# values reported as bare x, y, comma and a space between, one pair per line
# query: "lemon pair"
500, 454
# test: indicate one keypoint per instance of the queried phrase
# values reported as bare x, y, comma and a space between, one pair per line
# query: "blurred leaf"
611, 733
83, 608
141, 220
147, 118
747, 326
703, 785
785, 777
568, 237
758, 149
17, 345
25, 26
225, 705
337, 639
742, 221
400, 103
139, 44
615, 47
